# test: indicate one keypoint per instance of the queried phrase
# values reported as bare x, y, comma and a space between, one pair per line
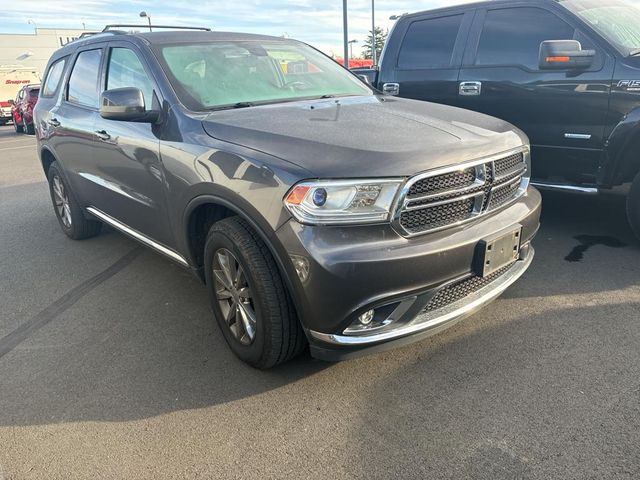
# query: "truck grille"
434, 201
459, 290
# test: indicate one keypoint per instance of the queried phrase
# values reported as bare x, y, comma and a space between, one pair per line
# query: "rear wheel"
633, 206
248, 296
69, 213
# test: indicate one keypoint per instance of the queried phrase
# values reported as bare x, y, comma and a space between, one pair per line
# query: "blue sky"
313, 21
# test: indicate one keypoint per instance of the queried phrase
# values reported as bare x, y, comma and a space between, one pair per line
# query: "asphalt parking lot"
110, 366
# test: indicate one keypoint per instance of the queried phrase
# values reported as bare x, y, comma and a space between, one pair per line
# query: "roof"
479, 4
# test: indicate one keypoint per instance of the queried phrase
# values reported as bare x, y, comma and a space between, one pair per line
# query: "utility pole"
345, 28
374, 53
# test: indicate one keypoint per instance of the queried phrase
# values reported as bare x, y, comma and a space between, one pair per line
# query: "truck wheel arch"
622, 154
218, 208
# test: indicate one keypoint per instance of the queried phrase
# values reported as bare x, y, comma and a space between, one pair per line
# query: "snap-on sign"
16, 82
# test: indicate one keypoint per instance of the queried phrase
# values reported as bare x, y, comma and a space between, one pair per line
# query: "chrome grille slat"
452, 196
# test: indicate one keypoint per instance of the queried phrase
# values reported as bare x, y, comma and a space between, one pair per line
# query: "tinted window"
83, 82
512, 36
126, 70
34, 93
429, 43
53, 78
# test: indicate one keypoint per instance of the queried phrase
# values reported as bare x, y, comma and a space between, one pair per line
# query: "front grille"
442, 183
459, 290
416, 220
439, 200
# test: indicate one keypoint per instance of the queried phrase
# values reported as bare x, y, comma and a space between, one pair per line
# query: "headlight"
342, 201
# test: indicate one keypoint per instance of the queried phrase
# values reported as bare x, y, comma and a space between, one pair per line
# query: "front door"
128, 166
562, 112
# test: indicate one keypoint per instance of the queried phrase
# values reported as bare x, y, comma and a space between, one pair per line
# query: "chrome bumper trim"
559, 187
432, 320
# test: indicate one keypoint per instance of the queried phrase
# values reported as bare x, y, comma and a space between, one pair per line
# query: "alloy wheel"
234, 296
61, 201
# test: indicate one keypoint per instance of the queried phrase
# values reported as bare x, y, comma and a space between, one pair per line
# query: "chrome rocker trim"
439, 319
118, 225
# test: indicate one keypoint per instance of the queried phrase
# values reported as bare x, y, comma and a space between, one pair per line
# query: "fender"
617, 166
261, 227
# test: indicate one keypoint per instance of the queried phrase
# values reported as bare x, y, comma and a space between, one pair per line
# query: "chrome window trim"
118, 225
403, 201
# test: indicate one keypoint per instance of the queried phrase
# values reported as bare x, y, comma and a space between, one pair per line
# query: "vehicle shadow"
504, 396
142, 344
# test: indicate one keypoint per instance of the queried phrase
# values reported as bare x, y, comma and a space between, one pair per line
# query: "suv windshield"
616, 20
216, 75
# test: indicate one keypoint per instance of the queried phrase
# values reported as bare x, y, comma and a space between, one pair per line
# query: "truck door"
562, 111
424, 61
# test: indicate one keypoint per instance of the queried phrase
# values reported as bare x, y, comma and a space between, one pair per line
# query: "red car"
22, 108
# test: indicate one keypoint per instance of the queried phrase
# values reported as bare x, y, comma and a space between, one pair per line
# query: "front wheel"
248, 296
633, 206
69, 213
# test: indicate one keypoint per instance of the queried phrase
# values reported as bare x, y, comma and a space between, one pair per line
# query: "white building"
34, 49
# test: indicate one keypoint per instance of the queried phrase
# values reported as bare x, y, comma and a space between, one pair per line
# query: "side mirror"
126, 105
11, 101
365, 79
564, 55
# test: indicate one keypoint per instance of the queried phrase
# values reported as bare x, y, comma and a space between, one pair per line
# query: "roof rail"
145, 27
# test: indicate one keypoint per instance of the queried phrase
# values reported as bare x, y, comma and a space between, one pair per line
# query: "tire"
633, 206
68, 211
18, 128
277, 333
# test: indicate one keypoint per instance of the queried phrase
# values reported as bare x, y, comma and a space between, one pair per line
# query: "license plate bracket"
498, 250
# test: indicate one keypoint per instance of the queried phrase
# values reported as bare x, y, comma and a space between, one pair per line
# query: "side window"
512, 36
429, 43
126, 70
83, 82
52, 82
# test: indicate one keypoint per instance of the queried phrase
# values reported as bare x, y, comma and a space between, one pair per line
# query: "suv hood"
368, 136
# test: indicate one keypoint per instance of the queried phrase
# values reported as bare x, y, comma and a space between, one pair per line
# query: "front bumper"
355, 269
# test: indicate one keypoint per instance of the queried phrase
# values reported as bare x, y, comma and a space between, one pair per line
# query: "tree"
381, 37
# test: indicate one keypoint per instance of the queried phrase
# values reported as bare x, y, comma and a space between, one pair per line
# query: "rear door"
70, 123
128, 174
562, 112
424, 63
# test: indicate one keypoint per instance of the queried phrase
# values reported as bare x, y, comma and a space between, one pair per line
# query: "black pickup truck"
566, 72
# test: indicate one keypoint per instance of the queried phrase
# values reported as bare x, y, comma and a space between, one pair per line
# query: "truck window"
83, 82
429, 43
53, 78
126, 70
512, 36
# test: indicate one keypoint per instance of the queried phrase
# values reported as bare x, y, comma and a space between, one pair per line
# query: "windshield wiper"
242, 105
634, 53
328, 96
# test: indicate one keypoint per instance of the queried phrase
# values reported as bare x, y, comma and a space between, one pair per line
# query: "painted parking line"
16, 148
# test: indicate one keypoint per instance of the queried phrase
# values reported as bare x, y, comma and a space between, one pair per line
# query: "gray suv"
316, 210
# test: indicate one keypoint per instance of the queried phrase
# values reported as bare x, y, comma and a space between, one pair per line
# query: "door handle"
103, 135
391, 89
470, 88
54, 122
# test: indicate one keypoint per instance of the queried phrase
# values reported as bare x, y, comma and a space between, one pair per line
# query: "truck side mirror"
564, 55
11, 101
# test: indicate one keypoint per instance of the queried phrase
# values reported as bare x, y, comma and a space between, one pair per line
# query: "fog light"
366, 318
301, 264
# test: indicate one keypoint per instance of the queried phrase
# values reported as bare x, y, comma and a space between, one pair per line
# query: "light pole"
351, 42
345, 31
374, 53
31, 22
144, 15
